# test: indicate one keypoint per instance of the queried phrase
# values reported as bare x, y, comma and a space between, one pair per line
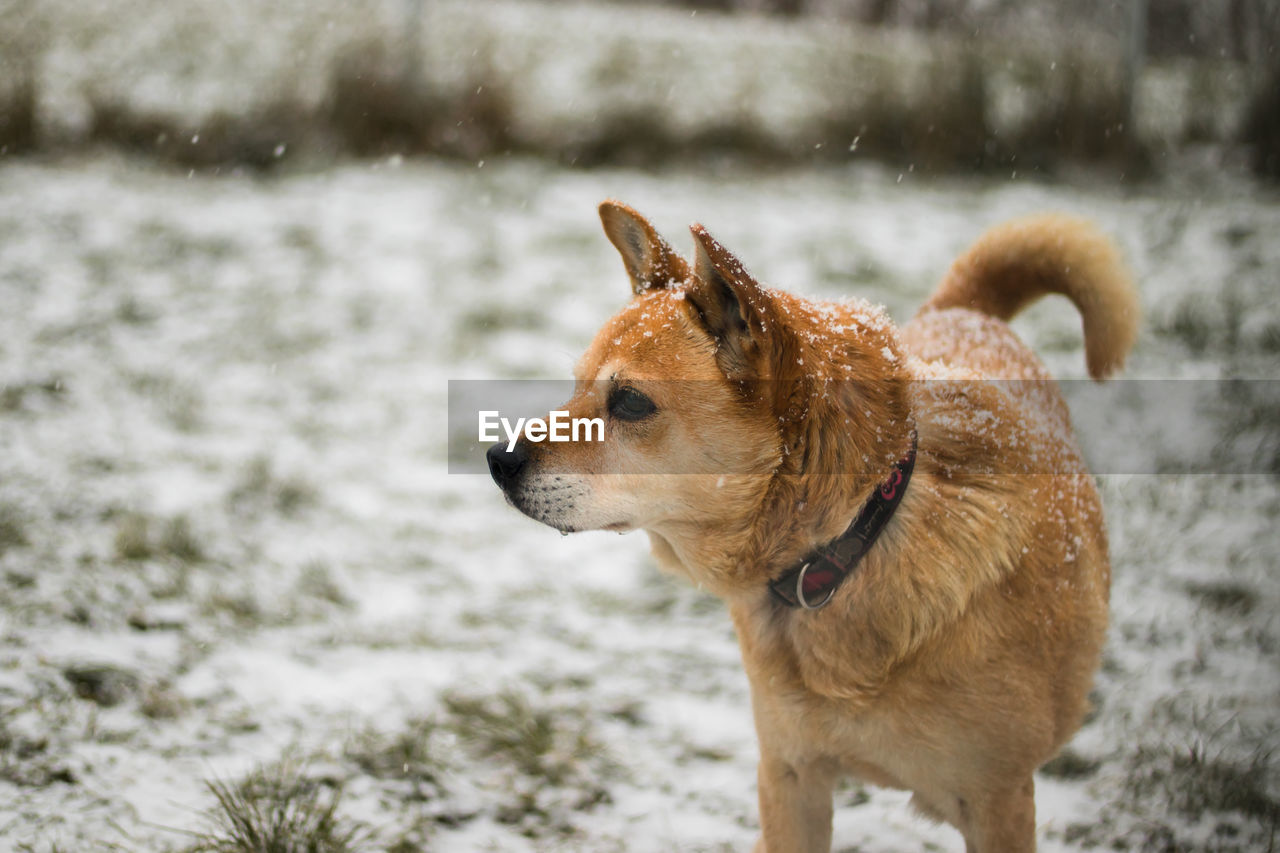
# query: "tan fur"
958, 656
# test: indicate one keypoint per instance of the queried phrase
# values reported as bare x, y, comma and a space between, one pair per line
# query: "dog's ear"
732, 306
651, 262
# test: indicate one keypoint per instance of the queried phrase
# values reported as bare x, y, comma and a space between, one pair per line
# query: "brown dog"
913, 555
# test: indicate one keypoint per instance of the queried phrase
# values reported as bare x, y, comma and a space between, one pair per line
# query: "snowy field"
229, 544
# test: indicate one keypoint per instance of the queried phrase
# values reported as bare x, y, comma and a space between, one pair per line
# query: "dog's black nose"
505, 465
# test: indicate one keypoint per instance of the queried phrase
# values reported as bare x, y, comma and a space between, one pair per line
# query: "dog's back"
963, 325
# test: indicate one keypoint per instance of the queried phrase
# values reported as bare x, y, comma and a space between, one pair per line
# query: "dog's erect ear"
650, 261
731, 304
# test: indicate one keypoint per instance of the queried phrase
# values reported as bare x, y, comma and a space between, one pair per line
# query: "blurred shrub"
637, 137
373, 106
586, 85
18, 115
20, 41
1080, 115
258, 138
1261, 129
942, 127
378, 104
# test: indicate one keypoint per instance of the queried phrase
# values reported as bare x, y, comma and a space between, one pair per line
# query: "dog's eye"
628, 404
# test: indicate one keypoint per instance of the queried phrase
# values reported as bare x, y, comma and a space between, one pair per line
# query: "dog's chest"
802, 727
803, 724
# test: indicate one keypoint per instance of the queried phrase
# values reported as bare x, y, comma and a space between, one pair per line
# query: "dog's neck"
743, 556
841, 432
811, 584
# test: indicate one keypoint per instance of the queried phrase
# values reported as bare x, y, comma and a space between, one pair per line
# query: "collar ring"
800, 596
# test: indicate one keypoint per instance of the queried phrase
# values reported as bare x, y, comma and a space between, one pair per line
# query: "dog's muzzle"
505, 465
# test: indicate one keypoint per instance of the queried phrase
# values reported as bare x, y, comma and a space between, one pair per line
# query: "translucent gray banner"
1134, 426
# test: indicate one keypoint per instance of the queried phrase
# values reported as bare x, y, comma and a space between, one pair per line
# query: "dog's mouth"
559, 510
558, 499
565, 527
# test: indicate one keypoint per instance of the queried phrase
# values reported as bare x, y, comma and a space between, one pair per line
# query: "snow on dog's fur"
747, 426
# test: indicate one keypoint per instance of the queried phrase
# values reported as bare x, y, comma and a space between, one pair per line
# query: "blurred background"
953, 85
245, 246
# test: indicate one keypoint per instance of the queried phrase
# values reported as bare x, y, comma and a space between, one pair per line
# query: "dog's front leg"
795, 805
1003, 821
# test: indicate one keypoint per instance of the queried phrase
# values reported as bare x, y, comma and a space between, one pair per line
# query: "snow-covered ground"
228, 538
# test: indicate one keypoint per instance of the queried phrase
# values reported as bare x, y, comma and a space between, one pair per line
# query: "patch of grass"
179, 540
242, 606
553, 766
1269, 338
30, 764
1228, 597
237, 602
279, 810
1191, 325
261, 488
317, 581
1191, 774
167, 580
163, 242
491, 318
103, 684
133, 312
851, 794
413, 754
13, 532
35, 730
1069, 764
1249, 438
539, 741
1219, 805
24, 759
1218, 326
181, 403
133, 537
136, 540
1210, 769
163, 702
1194, 779
701, 753
416, 760
15, 396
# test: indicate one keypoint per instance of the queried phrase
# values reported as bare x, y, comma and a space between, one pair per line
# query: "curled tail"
1014, 264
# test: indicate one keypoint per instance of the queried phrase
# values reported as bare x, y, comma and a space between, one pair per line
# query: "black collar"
812, 583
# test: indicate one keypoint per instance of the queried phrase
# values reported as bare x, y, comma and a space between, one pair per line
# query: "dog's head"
718, 398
